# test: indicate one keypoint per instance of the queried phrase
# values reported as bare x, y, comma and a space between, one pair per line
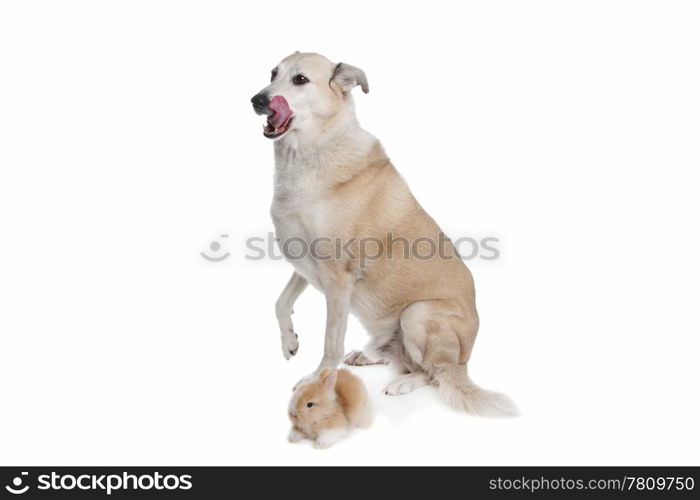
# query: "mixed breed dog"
334, 182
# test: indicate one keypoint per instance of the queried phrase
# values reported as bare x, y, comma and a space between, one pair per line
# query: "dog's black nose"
260, 102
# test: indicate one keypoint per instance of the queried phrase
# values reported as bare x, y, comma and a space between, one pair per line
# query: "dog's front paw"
290, 344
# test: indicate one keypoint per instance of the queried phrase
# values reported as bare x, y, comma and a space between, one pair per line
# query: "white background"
568, 130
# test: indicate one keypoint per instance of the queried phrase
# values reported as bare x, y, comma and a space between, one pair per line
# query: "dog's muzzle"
279, 114
260, 102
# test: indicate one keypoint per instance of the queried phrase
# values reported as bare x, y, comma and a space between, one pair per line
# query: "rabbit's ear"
331, 378
323, 374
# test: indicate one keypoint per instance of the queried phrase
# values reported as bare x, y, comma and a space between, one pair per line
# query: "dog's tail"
461, 393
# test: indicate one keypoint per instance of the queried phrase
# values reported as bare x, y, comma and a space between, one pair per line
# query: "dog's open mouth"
281, 118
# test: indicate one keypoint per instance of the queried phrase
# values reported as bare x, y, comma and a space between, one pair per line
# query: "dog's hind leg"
407, 383
377, 350
433, 332
438, 336
360, 358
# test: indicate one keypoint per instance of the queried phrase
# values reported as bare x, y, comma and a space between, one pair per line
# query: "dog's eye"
273, 75
309, 404
300, 80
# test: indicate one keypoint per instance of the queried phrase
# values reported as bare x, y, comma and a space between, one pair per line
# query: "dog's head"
307, 95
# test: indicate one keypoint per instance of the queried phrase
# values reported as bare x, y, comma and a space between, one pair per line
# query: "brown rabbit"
327, 407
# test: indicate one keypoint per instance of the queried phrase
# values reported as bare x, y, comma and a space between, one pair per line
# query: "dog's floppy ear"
348, 76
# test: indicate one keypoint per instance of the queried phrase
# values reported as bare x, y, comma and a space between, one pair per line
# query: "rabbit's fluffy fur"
327, 407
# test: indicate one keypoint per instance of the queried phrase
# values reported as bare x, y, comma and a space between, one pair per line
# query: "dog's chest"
300, 216
296, 232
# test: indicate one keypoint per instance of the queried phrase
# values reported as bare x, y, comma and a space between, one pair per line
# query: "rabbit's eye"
309, 404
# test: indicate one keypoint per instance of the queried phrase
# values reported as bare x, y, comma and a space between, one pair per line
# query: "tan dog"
353, 218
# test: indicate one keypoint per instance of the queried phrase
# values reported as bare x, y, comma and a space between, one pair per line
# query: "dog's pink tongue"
280, 111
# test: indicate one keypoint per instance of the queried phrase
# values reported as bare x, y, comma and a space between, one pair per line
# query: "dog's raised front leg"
290, 342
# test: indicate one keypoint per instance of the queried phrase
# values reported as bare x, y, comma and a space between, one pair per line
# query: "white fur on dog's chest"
291, 231
303, 207
298, 223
